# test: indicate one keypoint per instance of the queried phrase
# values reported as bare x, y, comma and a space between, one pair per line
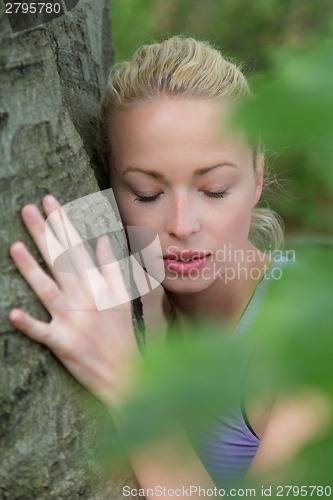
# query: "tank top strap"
252, 308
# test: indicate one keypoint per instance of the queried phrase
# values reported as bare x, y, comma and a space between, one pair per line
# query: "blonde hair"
180, 67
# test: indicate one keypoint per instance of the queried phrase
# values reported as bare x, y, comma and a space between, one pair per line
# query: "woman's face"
176, 169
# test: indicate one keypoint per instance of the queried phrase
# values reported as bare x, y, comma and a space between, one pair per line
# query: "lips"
186, 255
186, 261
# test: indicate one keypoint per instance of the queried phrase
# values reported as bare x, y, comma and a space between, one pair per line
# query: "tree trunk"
51, 77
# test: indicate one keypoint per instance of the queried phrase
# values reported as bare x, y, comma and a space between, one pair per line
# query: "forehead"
174, 128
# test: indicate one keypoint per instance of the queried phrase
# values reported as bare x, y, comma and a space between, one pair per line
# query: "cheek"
132, 214
234, 221
242, 222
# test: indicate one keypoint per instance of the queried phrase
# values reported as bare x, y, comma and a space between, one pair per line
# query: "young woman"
175, 167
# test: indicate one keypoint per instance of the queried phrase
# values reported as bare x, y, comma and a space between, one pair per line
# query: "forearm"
169, 464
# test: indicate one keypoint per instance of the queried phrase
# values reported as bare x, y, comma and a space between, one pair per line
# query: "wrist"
120, 389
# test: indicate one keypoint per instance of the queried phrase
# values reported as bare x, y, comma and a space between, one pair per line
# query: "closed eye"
219, 194
154, 197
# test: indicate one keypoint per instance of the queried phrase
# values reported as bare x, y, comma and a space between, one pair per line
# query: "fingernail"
18, 248
15, 315
50, 200
30, 212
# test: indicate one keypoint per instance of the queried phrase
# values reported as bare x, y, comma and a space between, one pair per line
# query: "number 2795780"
33, 8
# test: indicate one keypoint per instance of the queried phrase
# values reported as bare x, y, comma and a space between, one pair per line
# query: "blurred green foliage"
293, 112
246, 31
252, 34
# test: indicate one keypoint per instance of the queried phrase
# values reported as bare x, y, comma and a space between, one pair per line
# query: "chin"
185, 285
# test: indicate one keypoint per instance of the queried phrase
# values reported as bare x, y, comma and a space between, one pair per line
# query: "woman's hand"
97, 347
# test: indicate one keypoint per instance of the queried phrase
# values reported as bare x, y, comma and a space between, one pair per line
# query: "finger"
60, 223
33, 328
47, 246
35, 224
110, 269
44, 287
69, 273
70, 240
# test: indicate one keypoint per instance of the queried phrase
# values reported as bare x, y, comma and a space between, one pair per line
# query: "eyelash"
147, 198
221, 194
210, 194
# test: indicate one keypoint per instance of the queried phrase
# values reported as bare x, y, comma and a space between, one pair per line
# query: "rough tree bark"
50, 78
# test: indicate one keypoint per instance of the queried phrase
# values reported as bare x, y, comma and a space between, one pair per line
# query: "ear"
259, 177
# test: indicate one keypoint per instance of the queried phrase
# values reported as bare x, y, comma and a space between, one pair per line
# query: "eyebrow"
197, 173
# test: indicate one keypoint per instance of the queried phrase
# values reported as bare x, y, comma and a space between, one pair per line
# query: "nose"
182, 220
